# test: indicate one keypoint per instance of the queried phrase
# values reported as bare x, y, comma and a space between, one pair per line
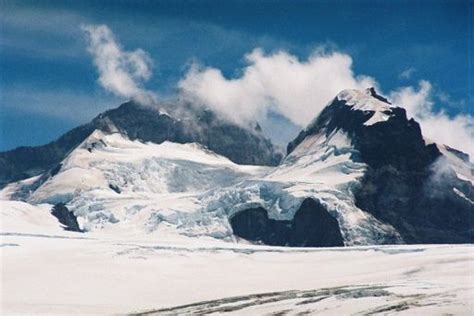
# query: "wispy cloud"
120, 72
73, 106
407, 73
279, 82
41, 33
272, 83
455, 131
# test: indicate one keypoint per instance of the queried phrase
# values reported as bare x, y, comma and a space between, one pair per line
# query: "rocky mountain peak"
371, 91
409, 182
380, 132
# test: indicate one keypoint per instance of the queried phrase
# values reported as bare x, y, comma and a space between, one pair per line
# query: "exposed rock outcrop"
66, 217
312, 226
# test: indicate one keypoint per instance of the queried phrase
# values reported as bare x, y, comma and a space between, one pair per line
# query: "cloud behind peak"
120, 72
298, 89
455, 131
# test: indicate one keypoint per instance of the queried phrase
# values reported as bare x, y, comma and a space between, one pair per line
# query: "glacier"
157, 236
49, 271
168, 190
188, 190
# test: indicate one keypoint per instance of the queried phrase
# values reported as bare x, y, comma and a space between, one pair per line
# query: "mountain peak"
422, 189
367, 100
380, 132
371, 91
186, 124
361, 169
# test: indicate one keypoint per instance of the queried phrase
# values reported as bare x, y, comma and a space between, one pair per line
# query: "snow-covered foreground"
159, 237
72, 273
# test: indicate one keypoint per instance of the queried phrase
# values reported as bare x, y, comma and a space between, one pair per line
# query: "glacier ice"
111, 182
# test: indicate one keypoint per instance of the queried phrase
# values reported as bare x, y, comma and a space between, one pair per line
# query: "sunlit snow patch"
364, 101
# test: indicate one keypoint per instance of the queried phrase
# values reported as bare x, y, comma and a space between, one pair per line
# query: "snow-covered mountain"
424, 190
361, 173
177, 122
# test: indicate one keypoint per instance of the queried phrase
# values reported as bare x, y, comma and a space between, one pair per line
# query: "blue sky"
48, 80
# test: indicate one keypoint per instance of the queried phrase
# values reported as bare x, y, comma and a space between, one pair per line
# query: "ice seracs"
320, 168
113, 183
109, 179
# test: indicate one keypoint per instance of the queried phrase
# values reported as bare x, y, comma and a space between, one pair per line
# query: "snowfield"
65, 273
158, 239
48, 271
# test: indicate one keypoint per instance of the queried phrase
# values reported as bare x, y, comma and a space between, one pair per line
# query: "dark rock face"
397, 142
194, 125
240, 145
463, 156
373, 93
408, 184
421, 205
312, 226
66, 217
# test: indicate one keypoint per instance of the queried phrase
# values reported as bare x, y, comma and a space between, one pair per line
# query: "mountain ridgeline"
361, 173
186, 124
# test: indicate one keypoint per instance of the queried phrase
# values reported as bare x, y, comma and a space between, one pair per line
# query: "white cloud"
298, 90
120, 72
278, 82
456, 131
407, 73
416, 102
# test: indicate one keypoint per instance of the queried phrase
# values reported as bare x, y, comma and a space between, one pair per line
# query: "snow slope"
364, 101
115, 184
170, 190
48, 271
93, 274
129, 187
464, 169
21, 217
